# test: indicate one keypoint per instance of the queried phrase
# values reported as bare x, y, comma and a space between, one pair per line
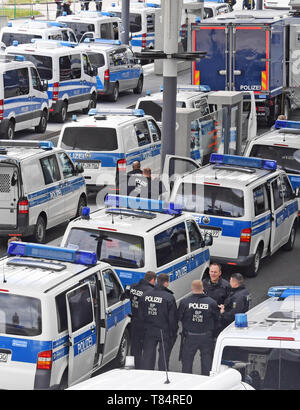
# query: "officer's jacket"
136, 291
217, 291
237, 302
198, 313
158, 310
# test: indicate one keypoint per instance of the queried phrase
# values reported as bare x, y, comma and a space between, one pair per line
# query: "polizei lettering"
154, 299
245, 87
136, 292
202, 306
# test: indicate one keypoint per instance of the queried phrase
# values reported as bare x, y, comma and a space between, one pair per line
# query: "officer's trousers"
151, 341
192, 343
137, 337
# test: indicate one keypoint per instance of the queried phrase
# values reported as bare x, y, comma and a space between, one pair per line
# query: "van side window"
106, 31
61, 310
16, 82
75, 65
142, 133
67, 165
112, 288
287, 190
277, 194
86, 64
155, 131
50, 169
170, 244
260, 200
81, 307
36, 82
194, 236
64, 68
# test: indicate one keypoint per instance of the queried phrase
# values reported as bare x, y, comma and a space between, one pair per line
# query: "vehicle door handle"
222, 72
237, 72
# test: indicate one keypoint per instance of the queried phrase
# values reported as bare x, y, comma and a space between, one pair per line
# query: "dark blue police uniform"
217, 291
238, 301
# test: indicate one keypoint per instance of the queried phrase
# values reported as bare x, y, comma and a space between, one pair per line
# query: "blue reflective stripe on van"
84, 341
100, 85
137, 39
107, 159
24, 350
125, 74
294, 180
229, 227
118, 314
286, 213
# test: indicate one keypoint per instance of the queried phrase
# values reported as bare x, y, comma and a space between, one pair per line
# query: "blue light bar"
283, 291
68, 44
19, 58
85, 213
46, 145
102, 41
145, 204
249, 162
135, 112
287, 124
191, 87
241, 320
154, 5
35, 250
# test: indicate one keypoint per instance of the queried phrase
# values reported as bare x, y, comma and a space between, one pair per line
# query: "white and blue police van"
35, 29
61, 317
72, 83
247, 204
141, 24
40, 187
118, 69
107, 142
93, 24
136, 235
264, 344
23, 97
281, 144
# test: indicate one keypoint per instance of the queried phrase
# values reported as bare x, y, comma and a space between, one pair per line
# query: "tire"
39, 235
252, 270
115, 93
92, 104
123, 350
139, 87
81, 204
290, 243
62, 115
10, 131
41, 128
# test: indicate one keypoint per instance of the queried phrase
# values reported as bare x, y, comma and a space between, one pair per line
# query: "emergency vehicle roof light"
85, 213
145, 204
102, 41
154, 5
192, 87
135, 112
241, 320
250, 162
19, 58
283, 291
35, 250
46, 145
287, 124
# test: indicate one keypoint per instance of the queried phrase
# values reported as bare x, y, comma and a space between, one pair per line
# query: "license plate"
215, 233
3, 357
90, 165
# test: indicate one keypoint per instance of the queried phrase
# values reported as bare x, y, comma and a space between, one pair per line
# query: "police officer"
215, 286
158, 310
137, 326
199, 315
238, 300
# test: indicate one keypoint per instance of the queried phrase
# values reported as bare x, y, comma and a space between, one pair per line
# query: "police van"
23, 97
35, 29
93, 24
118, 69
40, 188
61, 317
283, 145
141, 24
72, 83
107, 143
247, 204
264, 344
205, 135
136, 235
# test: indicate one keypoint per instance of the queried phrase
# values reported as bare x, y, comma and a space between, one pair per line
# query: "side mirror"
208, 239
297, 192
44, 85
79, 168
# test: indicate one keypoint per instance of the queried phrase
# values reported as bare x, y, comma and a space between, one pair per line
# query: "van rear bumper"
242, 261
20, 230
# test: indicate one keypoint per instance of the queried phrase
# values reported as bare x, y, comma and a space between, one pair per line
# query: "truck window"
50, 169
16, 82
170, 244
20, 315
97, 139
112, 288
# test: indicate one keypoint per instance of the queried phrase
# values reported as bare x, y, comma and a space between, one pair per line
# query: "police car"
40, 188
61, 317
23, 97
247, 204
141, 24
136, 235
118, 70
107, 143
93, 24
71, 77
35, 29
283, 145
264, 344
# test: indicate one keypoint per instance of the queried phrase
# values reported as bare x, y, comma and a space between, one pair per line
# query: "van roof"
44, 47
111, 121
89, 19
19, 153
180, 95
282, 137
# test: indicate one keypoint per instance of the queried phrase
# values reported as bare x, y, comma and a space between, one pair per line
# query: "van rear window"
211, 200
21, 38
89, 139
80, 28
42, 63
20, 315
118, 249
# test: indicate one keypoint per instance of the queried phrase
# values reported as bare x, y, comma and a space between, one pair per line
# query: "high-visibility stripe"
264, 80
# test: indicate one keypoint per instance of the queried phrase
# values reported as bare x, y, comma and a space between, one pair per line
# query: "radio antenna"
165, 359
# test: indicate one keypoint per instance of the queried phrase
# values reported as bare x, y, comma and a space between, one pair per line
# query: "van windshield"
265, 368
80, 28
211, 200
20, 315
118, 249
286, 157
89, 139
21, 38
42, 63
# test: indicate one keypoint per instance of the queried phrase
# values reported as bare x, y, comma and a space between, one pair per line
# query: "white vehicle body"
265, 345
277, 4
65, 325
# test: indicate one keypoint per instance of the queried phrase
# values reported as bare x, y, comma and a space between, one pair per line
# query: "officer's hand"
222, 308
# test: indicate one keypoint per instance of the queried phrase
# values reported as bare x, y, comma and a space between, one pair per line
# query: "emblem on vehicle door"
206, 220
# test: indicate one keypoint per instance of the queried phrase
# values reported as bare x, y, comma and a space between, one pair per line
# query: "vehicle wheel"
139, 87
39, 235
290, 243
81, 204
92, 104
10, 132
41, 128
123, 350
62, 115
252, 270
115, 93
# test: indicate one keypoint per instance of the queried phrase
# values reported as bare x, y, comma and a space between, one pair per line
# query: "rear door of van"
8, 194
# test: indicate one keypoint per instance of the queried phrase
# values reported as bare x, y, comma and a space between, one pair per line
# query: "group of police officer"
209, 308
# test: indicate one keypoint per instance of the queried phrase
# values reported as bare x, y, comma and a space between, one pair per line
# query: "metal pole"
125, 22
259, 5
171, 14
